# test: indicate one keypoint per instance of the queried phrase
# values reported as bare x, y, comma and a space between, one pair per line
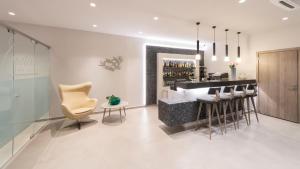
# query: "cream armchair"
76, 104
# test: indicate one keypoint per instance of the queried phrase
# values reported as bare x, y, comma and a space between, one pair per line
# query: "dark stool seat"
208, 99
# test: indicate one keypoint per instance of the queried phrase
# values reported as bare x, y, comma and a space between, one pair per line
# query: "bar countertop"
213, 83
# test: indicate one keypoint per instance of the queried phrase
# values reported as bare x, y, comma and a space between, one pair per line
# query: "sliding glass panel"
6, 94
23, 115
41, 86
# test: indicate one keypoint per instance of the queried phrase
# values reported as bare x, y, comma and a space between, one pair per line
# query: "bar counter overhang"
182, 106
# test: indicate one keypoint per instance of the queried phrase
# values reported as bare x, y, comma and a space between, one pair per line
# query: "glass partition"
23, 114
24, 91
41, 83
6, 94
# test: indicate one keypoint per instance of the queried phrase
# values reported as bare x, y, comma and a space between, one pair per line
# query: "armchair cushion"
75, 101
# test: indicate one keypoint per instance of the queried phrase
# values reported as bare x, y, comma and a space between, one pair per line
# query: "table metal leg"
120, 115
109, 112
124, 111
103, 115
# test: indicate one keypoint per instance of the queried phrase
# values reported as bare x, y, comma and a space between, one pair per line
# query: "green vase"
113, 100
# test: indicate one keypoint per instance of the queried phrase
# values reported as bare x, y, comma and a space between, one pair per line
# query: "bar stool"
239, 98
251, 92
211, 101
227, 97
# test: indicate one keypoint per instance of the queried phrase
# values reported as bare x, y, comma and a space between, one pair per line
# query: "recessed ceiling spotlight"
95, 26
92, 4
11, 13
140, 32
242, 1
155, 18
285, 18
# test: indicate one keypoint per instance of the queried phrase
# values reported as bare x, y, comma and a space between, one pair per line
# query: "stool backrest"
213, 90
240, 88
253, 87
228, 89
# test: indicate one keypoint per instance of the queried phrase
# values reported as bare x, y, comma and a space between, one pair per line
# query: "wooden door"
278, 84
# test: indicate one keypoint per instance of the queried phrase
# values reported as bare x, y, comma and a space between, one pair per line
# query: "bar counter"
181, 106
213, 83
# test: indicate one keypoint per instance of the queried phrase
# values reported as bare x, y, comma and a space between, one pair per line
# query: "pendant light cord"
239, 38
198, 23
214, 34
226, 36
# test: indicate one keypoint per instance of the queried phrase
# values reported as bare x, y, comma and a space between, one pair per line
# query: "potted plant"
113, 100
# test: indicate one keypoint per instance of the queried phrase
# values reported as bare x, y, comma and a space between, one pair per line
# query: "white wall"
245, 66
272, 40
76, 55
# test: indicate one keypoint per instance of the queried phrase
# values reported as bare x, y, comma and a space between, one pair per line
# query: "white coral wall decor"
111, 63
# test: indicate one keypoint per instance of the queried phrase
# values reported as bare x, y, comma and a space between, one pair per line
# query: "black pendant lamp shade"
198, 56
226, 47
214, 57
238, 48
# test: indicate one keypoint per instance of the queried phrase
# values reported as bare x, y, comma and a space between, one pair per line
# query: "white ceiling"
176, 17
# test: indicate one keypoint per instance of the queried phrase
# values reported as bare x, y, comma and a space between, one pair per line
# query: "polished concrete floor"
143, 142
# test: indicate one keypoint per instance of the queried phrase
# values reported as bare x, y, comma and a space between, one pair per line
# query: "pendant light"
198, 56
226, 59
238, 48
214, 57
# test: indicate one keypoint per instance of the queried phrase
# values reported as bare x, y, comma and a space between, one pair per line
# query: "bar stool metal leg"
199, 112
248, 107
215, 109
208, 107
254, 107
225, 115
243, 110
237, 113
231, 112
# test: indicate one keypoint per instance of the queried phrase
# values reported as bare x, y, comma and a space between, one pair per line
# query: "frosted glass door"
41, 85
6, 94
23, 116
